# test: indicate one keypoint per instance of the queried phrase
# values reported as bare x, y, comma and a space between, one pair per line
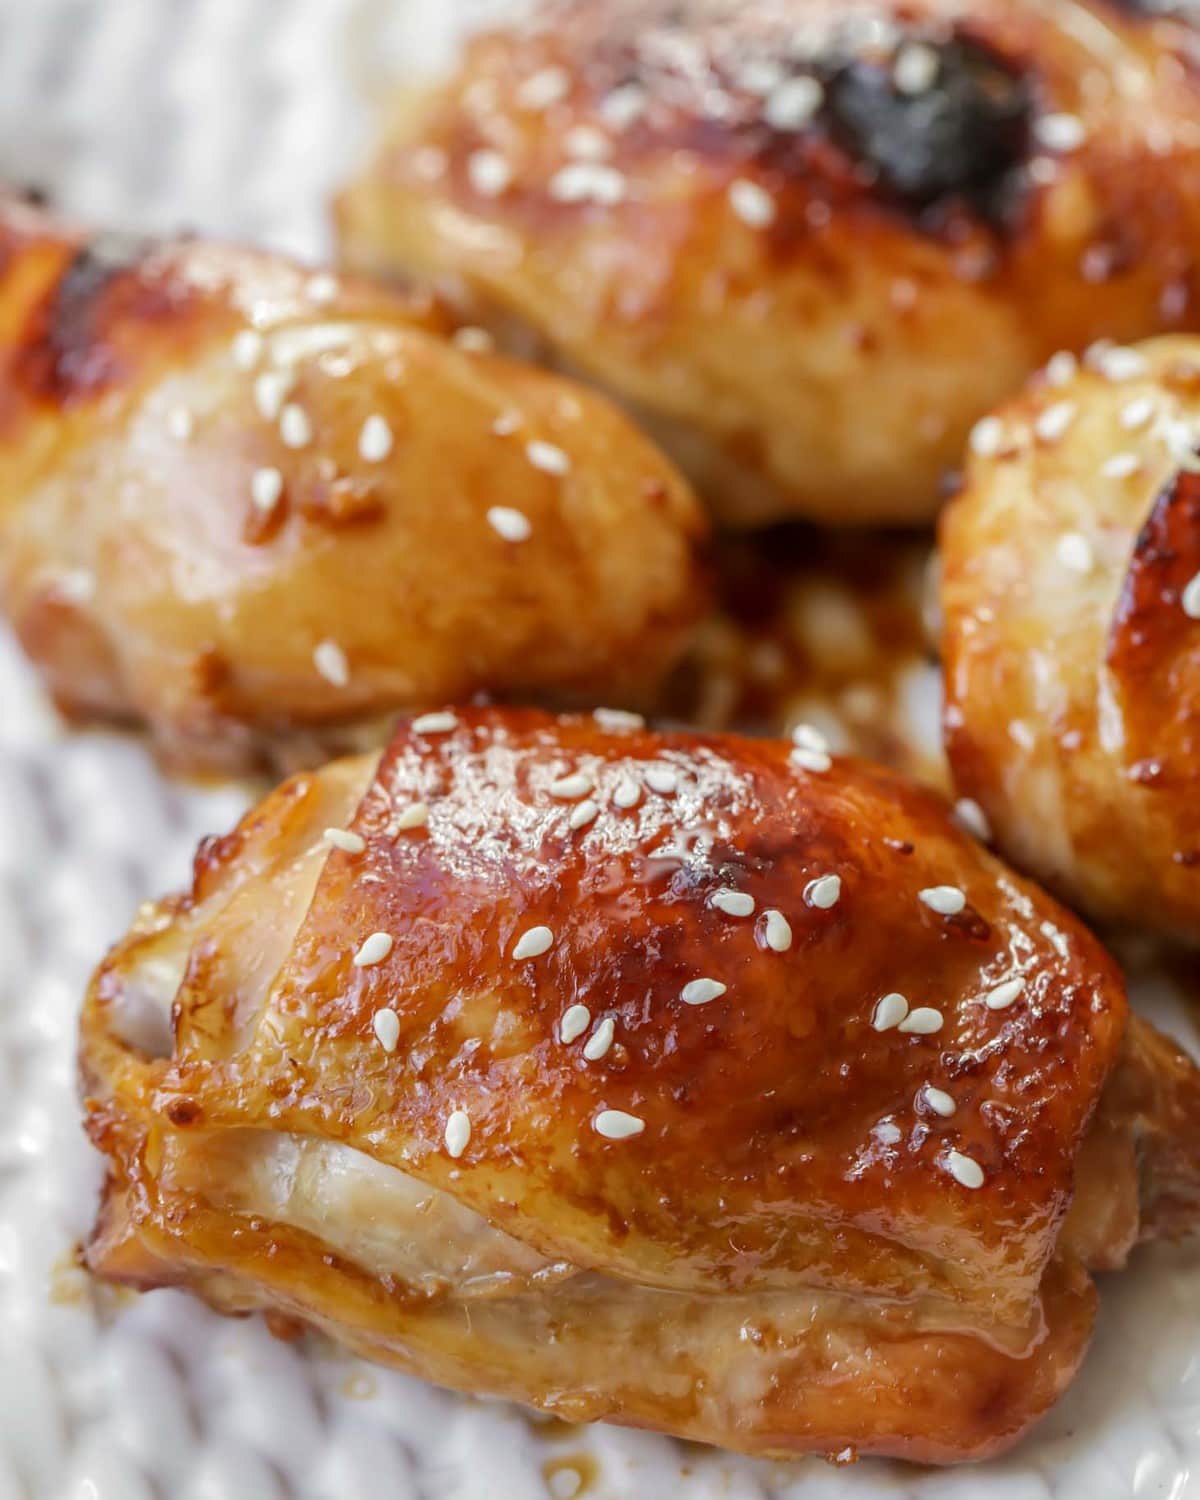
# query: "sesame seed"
507, 423
544, 88
513, 525
75, 585
701, 991
792, 104
939, 1101
1137, 413
1061, 368
474, 341
887, 1133
295, 429
915, 69
1059, 132
964, 1169
587, 182
415, 815
1004, 994
458, 1133
575, 1021
600, 1041
823, 892
571, 787
386, 1024
889, 1012
809, 737
626, 793
1074, 551
751, 203
1115, 362
662, 779
1190, 598
271, 391
987, 437
624, 106
435, 723
331, 664
810, 760
321, 288
547, 457
375, 439
586, 143
923, 1021
777, 931
1054, 421
732, 903
247, 348
971, 817
947, 900
489, 173
342, 838
617, 719
373, 951
583, 814
266, 489
179, 423
533, 943
616, 1125
1121, 466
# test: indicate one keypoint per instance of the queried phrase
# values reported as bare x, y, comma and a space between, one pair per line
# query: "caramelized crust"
1071, 641
523, 1133
809, 241
253, 506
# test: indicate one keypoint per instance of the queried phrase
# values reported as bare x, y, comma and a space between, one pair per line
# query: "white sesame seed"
489, 173
887, 1133
533, 943
513, 525
374, 950
1004, 994
375, 439
701, 991
915, 68
889, 1012
458, 1133
436, 723
923, 1021
295, 430
587, 182
266, 488
626, 793
386, 1024
586, 143
179, 423
616, 719
1121, 466
823, 892
583, 813
947, 900
732, 903
987, 437
792, 104
331, 664
810, 760
939, 1101
271, 391
342, 838
624, 106
1061, 368
751, 203
1137, 413
971, 817
809, 737
507, 423
547, 457
1052, 423
616, 1125
1074, 551
777, 931
544, 88
1116, 362
1059, 132
75, 585
575, 1021
247, 348
600, 1041
474, 341
415, 815
662, 779
321, 288
1189, 599
571, 787
964, 1169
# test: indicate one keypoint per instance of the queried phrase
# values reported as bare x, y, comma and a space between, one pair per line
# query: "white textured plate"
238, 116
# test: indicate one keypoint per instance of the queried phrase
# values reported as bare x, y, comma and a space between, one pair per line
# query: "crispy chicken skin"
1071, 639
809, 241
528, 1127
254, 506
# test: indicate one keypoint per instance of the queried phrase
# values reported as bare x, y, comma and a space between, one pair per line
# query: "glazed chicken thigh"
537, 1039
259, 508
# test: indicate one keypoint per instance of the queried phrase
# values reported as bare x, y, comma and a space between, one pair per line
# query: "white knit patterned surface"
238, 116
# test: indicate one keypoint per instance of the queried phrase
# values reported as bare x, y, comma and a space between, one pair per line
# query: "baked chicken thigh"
697, 1083
809, 241
257, 507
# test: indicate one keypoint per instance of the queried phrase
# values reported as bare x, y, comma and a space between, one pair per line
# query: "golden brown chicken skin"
809, 241
256, 507
540, 1039
1072, 632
